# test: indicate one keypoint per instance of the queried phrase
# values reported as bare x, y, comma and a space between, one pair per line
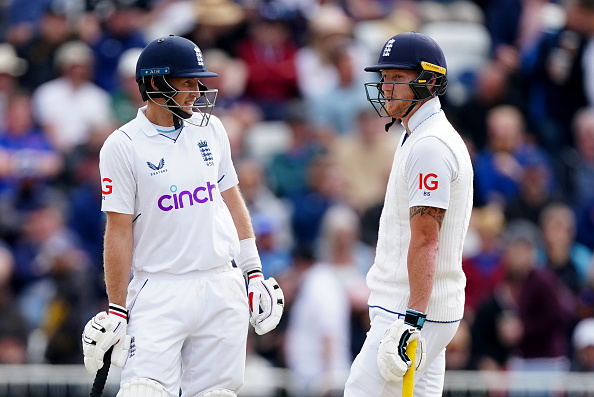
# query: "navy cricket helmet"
409, 51
174, 57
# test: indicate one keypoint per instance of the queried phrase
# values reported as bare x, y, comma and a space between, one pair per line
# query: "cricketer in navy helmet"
176, 219
416, 281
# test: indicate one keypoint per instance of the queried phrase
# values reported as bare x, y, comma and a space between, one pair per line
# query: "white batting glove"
267, 295
392, 360
103, 331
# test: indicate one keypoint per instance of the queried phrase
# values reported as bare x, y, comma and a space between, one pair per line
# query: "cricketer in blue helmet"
177, 220
416, 281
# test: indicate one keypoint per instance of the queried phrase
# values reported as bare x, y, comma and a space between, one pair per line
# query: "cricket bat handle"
101, 376
409, 376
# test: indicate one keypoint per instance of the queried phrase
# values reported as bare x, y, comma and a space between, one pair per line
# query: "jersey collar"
145, 125
429, 108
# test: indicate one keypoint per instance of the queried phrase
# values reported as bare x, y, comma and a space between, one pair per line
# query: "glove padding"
101, 332
265, 294
392, 360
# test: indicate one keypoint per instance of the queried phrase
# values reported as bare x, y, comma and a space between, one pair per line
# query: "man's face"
398, 96
189, 92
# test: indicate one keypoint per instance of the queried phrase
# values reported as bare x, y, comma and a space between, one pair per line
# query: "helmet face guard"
203, 105
427, 85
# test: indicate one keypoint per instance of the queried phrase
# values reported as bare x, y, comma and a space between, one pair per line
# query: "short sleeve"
227, 177
118, 185
431, 168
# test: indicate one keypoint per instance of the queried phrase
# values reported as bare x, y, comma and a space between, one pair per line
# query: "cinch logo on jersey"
158, 168
428, 181
200, 195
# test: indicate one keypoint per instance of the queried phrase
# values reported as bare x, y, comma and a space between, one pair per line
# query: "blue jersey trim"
219, 181
403, 314
125, 134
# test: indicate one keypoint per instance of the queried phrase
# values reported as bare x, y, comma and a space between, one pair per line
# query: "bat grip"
409, 376
101, 376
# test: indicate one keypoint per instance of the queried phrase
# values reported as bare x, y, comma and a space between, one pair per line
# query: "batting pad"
218, 393
142, 387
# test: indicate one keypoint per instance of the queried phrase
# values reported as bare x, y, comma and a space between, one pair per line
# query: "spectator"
318, 341
577, 165
559, 72
13, 341
270, 215
491, 90
364, 158
126, 98
329, 28
11, 67
340, 116
28, 165
535, 190
339, 245
231, 80
40, 48
269, 54
543, 313
287, 171
218, 24
70, 106
27, 156
322, 191
52, 284
498, 329
569, 260
120, 32
483, 270
499, 167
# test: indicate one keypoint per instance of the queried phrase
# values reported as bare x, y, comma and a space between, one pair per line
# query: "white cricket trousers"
189, 330
365, 379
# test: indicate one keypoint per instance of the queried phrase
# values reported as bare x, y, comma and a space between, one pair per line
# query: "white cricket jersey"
432, 167
173, 188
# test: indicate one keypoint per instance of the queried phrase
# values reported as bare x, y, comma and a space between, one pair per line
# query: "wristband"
117, 310
252, 274
248, 259
415, 318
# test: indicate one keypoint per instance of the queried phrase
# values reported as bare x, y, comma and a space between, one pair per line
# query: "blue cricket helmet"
173, 56
410, 50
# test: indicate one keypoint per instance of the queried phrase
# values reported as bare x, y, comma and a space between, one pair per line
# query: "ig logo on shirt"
428, 182
106, 187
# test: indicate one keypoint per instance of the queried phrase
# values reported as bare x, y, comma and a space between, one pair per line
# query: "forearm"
239, 212
421, 263
117, 262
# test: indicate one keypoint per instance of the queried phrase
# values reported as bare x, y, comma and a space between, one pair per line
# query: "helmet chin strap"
178, 115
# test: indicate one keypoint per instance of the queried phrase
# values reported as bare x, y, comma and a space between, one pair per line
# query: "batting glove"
267, 296
392, 360
103, 331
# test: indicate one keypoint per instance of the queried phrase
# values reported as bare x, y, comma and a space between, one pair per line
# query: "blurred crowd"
313, 161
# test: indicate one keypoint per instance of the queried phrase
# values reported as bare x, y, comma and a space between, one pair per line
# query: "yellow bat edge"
409, 376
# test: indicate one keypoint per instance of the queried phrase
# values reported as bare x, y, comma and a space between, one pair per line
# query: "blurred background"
313, 161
